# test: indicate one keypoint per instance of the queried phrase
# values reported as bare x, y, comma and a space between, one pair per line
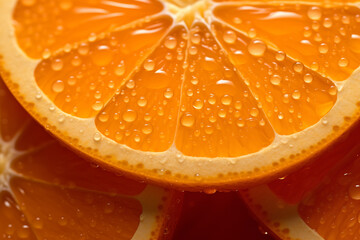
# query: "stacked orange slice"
47, 192
197, 94
318, 202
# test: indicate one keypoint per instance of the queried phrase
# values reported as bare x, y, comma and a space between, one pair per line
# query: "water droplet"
343, 62
193, 50
57, 64
83, 49
130, 84
97, 106
222, 113
257, 48
38, 223
198, 104
298, 67
147, 129
308, 78
102, 56
229, 37
97, 137
168, 93
62, 220
195, 38
226, 100
187, 120
212, 99
142, 102
275, 80
254, 112
209, 129
149, 65
58, 86
120, 70
296, 95
327, 23
240, 123
280, 56
170, 42
129, 115
323, 48
109, 207
104, 117
314, 13
46, 54
354, 191
332, 90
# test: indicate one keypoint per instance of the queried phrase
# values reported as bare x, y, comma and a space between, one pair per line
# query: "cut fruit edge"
159, 207
172, 168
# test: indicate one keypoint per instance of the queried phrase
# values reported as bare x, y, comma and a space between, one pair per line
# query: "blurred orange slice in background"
318, 202
47, 192
193, 94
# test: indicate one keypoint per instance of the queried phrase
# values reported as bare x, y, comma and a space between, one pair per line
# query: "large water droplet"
257, 48
129, 115
58, 86
229, 37
314, 13
187, 120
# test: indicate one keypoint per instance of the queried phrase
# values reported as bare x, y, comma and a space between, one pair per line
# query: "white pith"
171, 160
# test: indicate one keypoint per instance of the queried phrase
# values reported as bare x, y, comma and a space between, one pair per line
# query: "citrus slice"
47, 192
318, 202
196, 94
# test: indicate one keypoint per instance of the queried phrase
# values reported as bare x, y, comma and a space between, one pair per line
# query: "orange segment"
326, 39
67, 169
219, 116
45, 26
82, 80
143, 114
13, 224
58, 213
293, 97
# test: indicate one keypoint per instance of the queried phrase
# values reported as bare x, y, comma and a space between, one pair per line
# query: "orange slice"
318, 202
47, 192
196, 94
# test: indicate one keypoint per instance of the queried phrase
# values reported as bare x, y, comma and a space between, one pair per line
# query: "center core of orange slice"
188, 10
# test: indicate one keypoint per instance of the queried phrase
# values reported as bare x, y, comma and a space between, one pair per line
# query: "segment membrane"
219, 116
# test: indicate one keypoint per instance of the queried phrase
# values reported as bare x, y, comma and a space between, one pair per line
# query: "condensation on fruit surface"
211, 79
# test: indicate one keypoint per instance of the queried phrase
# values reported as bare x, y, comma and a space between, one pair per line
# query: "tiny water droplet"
58, 86
314, 13
149, 65
308, 78
170, 42
97, 137
275, 80
57, 64
343, 62
354, 191
229, 37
